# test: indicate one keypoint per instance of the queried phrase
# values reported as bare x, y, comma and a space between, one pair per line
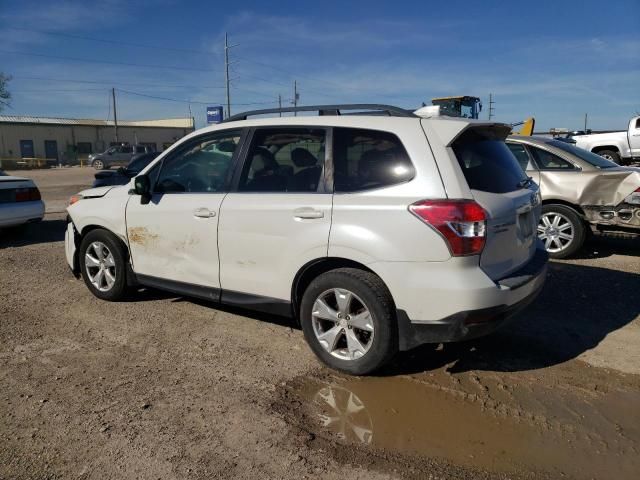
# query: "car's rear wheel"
98, 164
348, 319
610, 155
103, 265
561, 230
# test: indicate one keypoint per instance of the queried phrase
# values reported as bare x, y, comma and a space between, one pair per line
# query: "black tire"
377, 299
98, 165
610, 155
577, 223
119, 288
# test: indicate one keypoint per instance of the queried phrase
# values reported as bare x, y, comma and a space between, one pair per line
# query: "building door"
26, 149
51, 149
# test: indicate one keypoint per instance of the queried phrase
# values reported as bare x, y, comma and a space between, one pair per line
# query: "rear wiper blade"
525, 182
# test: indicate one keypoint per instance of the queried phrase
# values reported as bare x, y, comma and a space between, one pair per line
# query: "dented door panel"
171, 238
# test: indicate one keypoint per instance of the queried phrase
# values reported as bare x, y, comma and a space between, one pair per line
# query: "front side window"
521, 155
367, 159
126, 149
199, 166
284, 160
549, 161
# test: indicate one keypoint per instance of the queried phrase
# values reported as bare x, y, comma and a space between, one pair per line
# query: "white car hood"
97, 192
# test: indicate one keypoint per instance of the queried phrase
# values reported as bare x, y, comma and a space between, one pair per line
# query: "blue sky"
553, 60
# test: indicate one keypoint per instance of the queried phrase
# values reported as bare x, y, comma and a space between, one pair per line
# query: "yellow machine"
470, 107
527, 127
465, 106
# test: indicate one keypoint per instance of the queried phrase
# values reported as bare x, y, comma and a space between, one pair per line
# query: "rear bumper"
22, 212
509, 296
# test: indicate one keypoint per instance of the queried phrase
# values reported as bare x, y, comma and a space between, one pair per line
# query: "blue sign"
214, 114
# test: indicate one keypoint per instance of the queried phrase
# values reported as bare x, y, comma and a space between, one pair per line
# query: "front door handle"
203, 213
308, 213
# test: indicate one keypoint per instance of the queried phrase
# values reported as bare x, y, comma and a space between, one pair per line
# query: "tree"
5, 96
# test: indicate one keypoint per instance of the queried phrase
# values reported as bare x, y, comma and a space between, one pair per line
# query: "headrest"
301, 157
268, 158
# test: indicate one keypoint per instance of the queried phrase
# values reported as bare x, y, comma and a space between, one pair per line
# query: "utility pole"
280, 103
585, 122
492, 110
115, 114
296, 97
226, 72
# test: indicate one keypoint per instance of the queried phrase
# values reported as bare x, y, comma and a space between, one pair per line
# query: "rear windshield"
587, 156
487, 163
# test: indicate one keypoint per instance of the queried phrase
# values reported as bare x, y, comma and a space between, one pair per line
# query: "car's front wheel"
103, 265
98, 164
348, 319
561, 230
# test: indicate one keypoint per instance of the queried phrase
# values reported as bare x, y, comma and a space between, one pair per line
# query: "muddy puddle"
479, 423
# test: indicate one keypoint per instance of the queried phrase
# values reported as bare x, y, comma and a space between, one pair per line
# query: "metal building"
39, 141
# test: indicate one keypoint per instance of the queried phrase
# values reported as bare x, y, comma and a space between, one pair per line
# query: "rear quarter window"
368, 159
486, 162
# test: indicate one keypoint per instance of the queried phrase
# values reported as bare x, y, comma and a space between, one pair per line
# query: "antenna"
492, 109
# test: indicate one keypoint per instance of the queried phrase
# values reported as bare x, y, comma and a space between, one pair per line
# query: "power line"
59, 90
310, 77
87, 60
114, 42
100, 82
188, 101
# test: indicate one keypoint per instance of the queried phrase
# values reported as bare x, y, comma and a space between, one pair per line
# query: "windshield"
587, 156
139, 164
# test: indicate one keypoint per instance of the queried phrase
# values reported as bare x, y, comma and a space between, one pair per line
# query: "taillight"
27, 194
463, 223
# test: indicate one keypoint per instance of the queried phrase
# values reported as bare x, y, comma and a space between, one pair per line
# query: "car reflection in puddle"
344, 414
481, 425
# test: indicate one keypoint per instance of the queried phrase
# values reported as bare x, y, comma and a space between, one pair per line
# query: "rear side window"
284, 160
521, 155
549, 161
367, 159
488, 165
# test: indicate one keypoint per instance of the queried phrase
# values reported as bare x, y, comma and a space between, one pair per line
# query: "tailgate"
499, 185
511, 239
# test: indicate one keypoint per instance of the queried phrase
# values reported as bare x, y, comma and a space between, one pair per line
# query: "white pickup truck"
619, 147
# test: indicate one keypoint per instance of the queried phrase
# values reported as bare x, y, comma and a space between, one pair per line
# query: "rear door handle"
203, 213
308, 213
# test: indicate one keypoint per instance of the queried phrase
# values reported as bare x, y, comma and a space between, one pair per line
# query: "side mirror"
142, 187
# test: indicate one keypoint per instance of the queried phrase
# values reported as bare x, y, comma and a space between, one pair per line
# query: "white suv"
376, 232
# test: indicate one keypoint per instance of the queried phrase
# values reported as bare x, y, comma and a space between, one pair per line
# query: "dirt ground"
164, 387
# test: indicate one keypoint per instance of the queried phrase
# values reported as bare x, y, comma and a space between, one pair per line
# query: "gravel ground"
167, 387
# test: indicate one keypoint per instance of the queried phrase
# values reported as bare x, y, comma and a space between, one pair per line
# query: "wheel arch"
565, 203
600, 148
313, 269
79, 236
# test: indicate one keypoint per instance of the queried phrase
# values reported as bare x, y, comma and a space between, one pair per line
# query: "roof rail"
373, 109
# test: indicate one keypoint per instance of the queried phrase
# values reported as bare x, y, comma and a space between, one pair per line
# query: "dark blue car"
122, 175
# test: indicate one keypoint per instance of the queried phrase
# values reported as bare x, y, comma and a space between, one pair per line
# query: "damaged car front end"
581, 191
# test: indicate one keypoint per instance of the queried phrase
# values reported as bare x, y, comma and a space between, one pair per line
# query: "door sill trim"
274, 306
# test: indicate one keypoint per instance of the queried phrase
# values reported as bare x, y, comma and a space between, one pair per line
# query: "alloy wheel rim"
98, 165
100, 266
607, 156
556, 231
342, 324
